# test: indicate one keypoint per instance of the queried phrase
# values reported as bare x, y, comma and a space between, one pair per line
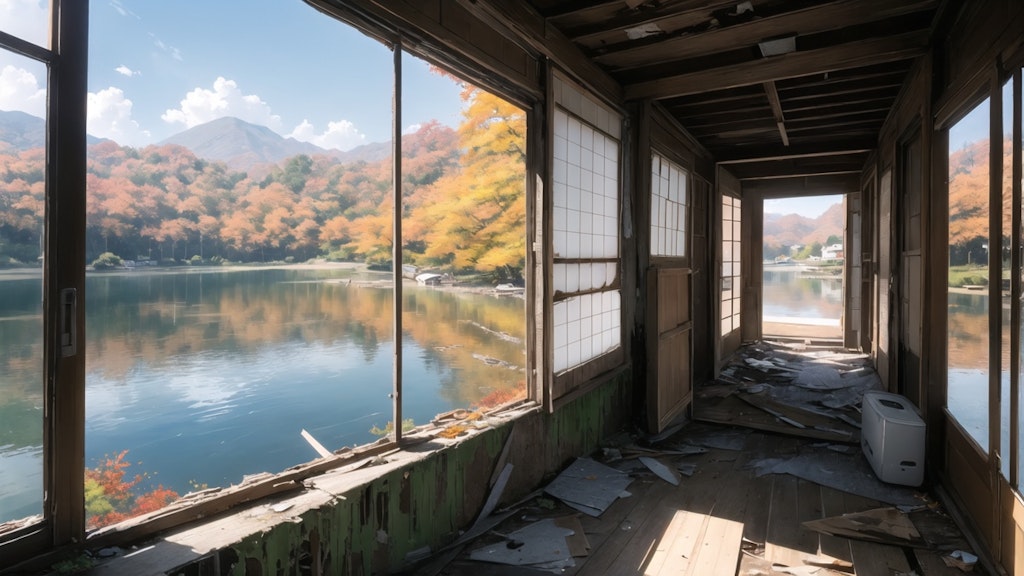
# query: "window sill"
281, 498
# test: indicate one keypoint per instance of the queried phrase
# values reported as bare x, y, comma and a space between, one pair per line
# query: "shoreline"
10, 274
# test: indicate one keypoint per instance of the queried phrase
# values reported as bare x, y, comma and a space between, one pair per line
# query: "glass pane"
238, 248
464, 250
1020, 399
668, 207
28, 20
22, 192
1005, 277
968, 300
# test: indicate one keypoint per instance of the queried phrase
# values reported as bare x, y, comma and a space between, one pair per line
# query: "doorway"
803, 272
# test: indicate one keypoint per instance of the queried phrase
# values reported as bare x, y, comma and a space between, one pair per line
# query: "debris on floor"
542, 545
801, 393
660, 470
965, 561
847, 472
882, 525
589, 486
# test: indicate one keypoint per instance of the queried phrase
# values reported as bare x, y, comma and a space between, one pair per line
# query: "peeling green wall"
428, 502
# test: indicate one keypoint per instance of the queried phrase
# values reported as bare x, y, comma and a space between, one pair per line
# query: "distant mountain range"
793, 229
242, 145
23, 131
239, 144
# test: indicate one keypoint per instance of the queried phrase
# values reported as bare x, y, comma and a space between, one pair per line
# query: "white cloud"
110, 116
412, 128
26, 19
167, 48
116, 5
20, 90
341, 135
226, 99
126, 71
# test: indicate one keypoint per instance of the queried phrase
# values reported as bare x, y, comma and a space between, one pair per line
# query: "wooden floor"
725, 521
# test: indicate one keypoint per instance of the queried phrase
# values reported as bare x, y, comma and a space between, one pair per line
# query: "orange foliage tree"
110, 493
474, 217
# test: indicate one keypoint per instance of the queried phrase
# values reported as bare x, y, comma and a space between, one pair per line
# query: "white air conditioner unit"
892, 437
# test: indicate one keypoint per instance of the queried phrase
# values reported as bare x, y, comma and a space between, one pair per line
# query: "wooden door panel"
670, 370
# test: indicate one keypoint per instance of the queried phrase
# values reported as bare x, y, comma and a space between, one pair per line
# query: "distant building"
833, 252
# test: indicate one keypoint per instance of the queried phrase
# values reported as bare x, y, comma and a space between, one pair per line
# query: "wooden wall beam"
864, 53
523, 25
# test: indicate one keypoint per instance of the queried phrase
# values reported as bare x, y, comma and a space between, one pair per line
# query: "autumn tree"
473, 218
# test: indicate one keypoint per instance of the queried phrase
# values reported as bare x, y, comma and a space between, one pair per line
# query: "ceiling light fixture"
777, 46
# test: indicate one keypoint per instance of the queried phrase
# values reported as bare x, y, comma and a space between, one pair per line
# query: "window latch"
68, 322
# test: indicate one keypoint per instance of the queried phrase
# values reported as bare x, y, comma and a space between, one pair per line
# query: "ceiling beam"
803, 186
816, 19
588, 18
852, 55
741, 154
527, 26
780, 120
799, 167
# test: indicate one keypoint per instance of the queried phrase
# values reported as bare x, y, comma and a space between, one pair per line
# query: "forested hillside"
463, 201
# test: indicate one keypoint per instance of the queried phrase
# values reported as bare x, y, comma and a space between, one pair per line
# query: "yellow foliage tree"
474, 216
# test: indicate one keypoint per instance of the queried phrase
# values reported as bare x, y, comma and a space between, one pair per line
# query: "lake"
205, 375
791, 292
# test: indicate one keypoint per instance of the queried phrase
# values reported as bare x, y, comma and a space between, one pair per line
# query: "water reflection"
205, 376
793, 292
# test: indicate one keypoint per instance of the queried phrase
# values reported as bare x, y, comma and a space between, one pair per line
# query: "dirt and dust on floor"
767, 478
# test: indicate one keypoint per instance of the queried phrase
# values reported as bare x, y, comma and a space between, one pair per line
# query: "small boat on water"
429, 279
508, 289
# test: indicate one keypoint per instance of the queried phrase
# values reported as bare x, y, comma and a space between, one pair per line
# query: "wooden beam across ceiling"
780, 120
804, 186
586, 18
864, 53
741, 154
794, 167
813, 20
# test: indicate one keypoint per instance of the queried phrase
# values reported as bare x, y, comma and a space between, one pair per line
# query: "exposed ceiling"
814, 111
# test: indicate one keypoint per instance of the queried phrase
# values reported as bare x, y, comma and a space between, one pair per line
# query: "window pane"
968, 301
22, 192
730, 270
465, 190
239, 249
586, 226
668, 207
28, 20
1004, 287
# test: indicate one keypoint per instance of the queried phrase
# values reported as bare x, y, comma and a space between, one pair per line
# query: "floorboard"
724, 521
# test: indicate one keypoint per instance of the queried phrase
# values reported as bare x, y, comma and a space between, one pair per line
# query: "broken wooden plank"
734, 411
881, 525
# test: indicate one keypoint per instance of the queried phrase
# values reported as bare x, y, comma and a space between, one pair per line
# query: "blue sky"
159, 67
811, 206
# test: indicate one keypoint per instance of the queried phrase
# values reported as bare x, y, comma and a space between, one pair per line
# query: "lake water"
790, 292
206, 375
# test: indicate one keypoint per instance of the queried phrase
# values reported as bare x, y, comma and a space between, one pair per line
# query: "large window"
968, 294
238, 255
587, 306
22, 201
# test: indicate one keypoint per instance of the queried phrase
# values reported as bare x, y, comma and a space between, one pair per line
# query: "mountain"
793, 229
23, 131
240, 144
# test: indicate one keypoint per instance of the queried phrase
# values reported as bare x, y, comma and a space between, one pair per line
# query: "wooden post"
396, 238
